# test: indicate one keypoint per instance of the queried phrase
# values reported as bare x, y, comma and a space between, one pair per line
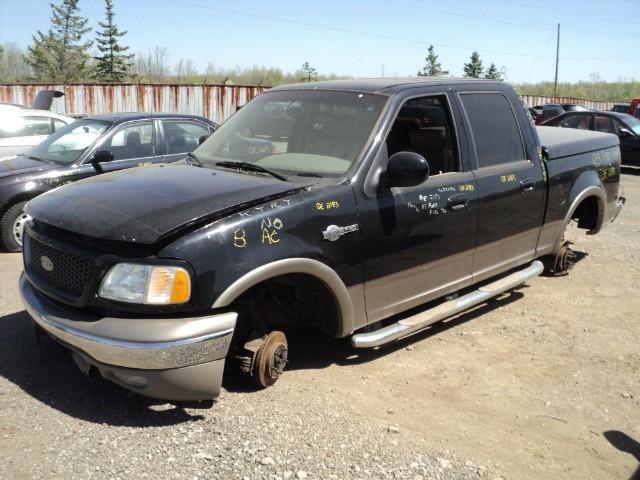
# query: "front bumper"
153, 356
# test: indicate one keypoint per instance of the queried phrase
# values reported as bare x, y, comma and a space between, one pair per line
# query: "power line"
350, 31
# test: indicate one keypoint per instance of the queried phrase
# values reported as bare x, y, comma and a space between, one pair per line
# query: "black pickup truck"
340, 205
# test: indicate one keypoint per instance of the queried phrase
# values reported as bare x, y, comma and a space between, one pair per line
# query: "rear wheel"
12, 226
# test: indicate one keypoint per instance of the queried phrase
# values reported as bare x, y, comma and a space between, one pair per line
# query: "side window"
424, 126
605, 124
181, 136
583, 122
495, 131
57, 124
133, 141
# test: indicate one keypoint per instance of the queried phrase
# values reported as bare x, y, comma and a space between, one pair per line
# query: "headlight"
148, 284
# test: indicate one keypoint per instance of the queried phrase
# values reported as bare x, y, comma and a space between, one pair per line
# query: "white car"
22, 128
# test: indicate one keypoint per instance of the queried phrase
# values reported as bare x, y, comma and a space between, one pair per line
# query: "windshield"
67, 144
299, 132
633, 123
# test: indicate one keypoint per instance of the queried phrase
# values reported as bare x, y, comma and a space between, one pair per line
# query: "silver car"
21, 128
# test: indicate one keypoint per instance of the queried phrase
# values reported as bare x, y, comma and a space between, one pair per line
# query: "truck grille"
68, 272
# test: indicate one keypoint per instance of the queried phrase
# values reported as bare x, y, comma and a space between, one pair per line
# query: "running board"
410, 325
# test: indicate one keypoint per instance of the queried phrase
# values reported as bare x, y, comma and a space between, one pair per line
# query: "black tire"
7, 222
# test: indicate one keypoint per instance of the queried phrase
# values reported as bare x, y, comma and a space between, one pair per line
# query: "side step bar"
422, 320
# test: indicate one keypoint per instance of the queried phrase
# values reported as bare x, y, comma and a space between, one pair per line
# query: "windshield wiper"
252, 167
193, 160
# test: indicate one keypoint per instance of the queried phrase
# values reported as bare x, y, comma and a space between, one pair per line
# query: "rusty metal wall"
217, 102
533, 100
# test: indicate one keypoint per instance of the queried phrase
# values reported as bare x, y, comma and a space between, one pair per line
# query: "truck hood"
21, 164
565, 142
144, 204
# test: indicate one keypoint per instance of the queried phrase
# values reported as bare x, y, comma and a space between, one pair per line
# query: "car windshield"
297, 132
633, 123
67, 144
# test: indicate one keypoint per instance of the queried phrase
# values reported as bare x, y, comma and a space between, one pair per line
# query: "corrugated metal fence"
533, 100
217, 102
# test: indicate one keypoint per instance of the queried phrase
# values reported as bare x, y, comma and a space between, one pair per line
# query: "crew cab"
88, 147
341, 205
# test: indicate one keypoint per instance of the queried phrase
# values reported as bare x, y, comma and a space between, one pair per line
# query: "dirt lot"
541, 383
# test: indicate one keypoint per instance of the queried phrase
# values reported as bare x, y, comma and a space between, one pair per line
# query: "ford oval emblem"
46, 263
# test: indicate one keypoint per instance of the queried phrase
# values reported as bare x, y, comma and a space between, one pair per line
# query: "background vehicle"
621, 107
368, 199
626, 127
550, 110
86, 147
22, 128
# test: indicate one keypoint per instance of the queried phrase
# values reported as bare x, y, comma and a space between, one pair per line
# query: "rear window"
495, 130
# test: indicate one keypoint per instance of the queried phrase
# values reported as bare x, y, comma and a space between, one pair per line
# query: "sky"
371, 38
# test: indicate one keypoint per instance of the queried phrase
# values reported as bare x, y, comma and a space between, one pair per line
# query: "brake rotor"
564, 260
270, 359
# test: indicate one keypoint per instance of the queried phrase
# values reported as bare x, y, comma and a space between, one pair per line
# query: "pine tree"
60, 54
493, 73
432, 67
310, 73
473, 69
113, 65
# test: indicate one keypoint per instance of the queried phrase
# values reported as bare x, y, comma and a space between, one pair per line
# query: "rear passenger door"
509, 179
180, 137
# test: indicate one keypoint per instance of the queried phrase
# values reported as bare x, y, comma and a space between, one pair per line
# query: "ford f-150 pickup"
340, 205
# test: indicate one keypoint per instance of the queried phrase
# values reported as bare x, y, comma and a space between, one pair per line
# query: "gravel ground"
541, 383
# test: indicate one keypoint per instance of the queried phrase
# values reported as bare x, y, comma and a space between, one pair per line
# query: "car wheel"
12, 227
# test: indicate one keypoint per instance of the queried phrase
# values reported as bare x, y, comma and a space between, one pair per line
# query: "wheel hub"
270, 359
18, 227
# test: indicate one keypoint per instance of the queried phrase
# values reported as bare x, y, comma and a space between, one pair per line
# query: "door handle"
457, 202
527, 185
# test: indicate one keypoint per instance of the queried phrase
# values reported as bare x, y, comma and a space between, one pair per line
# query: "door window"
605, 124
582, 122
181, 136
25, 127
423, 125
57, 124
133, 141
494, 127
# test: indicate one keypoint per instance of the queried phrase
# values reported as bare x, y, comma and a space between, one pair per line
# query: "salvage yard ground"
543, 382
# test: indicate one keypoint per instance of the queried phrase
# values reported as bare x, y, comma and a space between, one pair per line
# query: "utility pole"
555, 83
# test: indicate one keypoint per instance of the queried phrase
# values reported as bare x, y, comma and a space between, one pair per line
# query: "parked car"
626, 127
22, 128
550, 110
86, 147
621, 107
378, 197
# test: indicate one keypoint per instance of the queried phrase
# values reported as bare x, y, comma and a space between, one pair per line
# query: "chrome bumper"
137, 343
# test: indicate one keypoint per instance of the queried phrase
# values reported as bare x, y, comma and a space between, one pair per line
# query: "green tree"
60, 54
13, 68
473, 69
493, 73
432, 67
309, 72
113, 65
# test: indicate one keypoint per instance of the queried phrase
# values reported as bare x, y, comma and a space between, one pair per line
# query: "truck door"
509, 178
419, 241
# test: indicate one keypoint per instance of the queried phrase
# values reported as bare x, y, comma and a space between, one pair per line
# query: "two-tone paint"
233, 230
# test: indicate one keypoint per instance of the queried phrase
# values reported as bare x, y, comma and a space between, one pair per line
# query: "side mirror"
99, 157
406, 169
202, 138
625, 133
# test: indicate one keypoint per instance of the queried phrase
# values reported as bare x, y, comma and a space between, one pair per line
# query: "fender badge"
46, 263
334, 232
